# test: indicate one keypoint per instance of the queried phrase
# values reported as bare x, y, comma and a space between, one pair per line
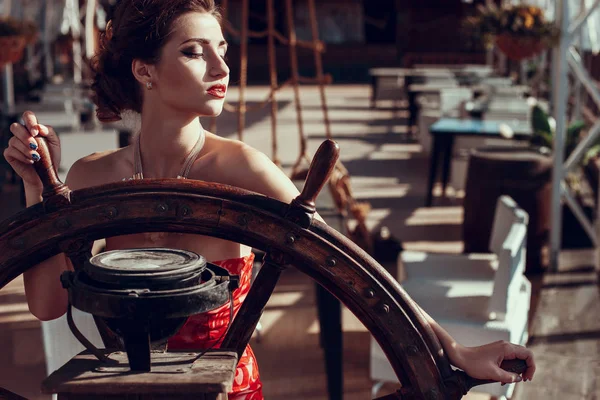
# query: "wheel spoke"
245, 322
78, 250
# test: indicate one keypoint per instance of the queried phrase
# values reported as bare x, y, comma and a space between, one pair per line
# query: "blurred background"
469, 169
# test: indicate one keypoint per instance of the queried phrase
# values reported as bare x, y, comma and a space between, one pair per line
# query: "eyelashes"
193, 55
190, 54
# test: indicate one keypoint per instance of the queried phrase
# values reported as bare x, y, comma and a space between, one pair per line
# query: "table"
446, 129
413, 75
174, 375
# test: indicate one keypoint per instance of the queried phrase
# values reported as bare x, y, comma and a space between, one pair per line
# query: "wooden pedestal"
174, 375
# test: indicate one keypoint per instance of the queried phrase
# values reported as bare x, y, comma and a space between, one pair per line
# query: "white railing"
567, 57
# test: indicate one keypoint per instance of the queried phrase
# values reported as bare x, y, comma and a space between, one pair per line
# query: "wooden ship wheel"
69, 221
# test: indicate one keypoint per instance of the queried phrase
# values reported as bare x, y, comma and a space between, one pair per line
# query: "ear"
142, 71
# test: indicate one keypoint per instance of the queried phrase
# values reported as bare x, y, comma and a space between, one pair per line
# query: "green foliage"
543, 132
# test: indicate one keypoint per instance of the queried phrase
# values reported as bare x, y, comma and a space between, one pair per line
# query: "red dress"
207, 329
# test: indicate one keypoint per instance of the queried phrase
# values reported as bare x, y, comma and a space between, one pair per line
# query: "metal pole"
576, 63
8, 91
76, 31
46, 38
574, 27
578, 41
74, 22
489, 56
503, 63
559, 103
243, 69
592, 30
90, 42
273, 76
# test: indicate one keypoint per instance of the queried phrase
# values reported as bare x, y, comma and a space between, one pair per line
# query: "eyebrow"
205, 41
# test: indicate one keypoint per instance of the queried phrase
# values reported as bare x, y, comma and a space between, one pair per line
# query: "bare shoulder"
99, 168
241, 165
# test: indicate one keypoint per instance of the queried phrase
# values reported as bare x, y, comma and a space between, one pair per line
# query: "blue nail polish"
33, 146
35, 157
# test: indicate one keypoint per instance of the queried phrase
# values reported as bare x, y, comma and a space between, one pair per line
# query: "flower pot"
519, 47
523, 173
11, 49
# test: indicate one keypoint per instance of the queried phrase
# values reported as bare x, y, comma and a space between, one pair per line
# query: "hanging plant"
519, 31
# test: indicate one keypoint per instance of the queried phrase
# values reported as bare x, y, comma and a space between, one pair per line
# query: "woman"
165, 59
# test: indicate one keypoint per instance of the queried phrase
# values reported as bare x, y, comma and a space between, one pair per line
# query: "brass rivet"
242, 220
369, 293
162, 207
290, 238
412, 350
384, 308
331, 261
184, 211
109, 212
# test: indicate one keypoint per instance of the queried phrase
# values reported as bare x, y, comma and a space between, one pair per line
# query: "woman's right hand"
21, 152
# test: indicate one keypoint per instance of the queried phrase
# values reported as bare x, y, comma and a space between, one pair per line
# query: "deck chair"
477, 298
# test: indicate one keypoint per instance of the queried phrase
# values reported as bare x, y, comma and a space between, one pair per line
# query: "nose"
219, 68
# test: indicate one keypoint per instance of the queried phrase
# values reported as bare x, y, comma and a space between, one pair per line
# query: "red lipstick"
217, 91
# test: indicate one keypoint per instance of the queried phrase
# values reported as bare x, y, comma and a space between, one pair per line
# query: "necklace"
183, 174
138, 172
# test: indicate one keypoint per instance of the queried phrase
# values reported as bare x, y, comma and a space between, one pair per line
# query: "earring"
149, 85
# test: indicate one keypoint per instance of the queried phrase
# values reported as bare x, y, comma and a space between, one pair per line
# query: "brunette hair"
138, 30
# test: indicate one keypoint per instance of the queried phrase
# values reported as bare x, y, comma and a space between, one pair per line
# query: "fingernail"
35, 157
34, 131
33, 146
519, 379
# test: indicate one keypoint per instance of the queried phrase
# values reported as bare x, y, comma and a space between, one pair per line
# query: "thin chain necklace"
185, 169
138, 173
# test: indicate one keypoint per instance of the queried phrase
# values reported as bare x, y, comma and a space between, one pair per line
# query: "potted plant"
579, 179
14, 36
543, 127
519, 31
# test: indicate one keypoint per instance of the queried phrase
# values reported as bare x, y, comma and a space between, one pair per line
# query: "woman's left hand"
483, 362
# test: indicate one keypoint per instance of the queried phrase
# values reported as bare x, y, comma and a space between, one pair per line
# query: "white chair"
477, 298
59, 343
